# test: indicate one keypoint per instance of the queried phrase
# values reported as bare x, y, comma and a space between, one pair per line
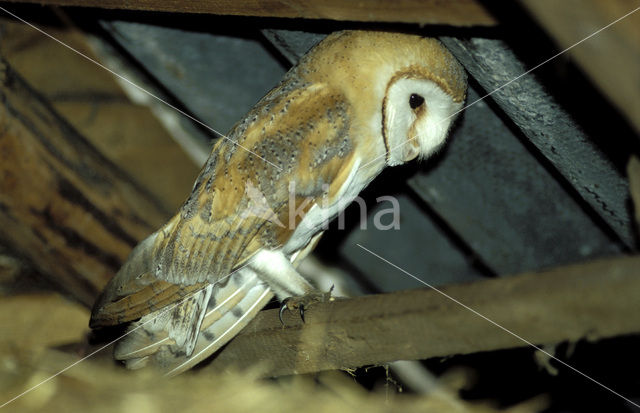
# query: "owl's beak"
411, 149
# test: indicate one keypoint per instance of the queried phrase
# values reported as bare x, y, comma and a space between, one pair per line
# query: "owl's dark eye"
415, 101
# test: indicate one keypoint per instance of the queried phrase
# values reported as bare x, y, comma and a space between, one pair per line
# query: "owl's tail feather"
230, 307
177, 324
221, 331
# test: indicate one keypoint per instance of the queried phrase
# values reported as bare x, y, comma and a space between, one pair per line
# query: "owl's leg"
277, 271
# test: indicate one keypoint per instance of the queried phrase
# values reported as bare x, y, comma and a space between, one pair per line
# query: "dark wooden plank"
549, 128
633, 172
63, 206
618, 43
592, 300
452, 12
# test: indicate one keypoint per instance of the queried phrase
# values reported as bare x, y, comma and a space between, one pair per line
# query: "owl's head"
417, 112
408, 87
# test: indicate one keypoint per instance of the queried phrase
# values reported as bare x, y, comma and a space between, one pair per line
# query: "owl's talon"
303, 302
283, 307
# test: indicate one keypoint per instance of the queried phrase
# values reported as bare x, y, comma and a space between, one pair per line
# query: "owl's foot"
302, 302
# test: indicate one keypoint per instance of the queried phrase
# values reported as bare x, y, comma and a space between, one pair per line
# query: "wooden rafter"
452, 12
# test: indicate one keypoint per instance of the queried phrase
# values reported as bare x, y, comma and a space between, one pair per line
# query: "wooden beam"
549, 127
63, 206
611, 58
452, 12
90, 99
592, 300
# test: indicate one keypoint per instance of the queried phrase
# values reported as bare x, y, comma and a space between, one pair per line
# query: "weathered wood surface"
63, 206
452, 12
592, 300
91, 100
612, 57
550, 128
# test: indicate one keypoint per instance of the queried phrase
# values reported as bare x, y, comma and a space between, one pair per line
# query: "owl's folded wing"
135, 291
240, 203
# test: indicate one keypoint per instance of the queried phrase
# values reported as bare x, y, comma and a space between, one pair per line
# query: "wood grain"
452, 12
63, 206
90, 99
611, 58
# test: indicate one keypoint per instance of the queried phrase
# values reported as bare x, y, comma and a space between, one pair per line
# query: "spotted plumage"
357, 102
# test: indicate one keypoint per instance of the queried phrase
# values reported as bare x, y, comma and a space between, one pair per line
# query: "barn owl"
357, 102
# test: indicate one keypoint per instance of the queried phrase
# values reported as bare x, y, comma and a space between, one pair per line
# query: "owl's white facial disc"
417, 114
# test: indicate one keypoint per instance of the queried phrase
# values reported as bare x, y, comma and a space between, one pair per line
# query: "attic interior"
507, 282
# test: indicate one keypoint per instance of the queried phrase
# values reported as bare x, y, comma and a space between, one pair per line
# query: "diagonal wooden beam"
452, 12
63, 206
611, 58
